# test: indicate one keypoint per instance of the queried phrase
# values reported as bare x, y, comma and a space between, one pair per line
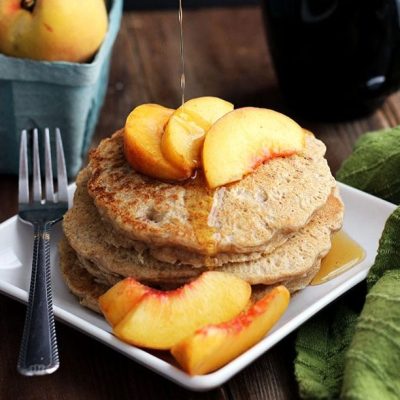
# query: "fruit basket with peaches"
54, 64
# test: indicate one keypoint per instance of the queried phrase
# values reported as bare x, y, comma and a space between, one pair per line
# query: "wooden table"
226, 56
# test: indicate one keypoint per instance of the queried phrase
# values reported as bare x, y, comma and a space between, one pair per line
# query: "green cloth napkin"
342, 353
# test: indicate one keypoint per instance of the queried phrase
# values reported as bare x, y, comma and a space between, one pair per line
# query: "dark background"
149, 4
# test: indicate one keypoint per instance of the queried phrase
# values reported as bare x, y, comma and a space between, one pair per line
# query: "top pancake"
278, 198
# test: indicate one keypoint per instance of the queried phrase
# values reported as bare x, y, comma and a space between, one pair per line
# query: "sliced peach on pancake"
142, 142
244, 138
213, 346
183, 138
161, 319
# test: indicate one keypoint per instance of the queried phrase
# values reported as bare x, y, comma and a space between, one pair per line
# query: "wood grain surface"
226, 56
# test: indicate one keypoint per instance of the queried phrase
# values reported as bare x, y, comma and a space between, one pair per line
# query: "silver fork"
39, 352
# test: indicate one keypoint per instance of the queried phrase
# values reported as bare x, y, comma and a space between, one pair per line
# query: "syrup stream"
183, 80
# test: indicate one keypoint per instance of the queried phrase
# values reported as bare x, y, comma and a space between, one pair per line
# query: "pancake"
79, 281
278, 198
174, 255
299, 253
102, 276
85, 232
88, 289
108, 279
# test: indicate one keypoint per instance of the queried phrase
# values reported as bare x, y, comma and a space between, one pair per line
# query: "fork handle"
39, 352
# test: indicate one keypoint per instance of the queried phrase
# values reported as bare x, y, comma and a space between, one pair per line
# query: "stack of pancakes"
274, 226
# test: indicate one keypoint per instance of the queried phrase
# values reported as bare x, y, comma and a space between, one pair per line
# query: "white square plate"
364, 221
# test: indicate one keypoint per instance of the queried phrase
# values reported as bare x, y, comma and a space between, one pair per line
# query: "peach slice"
142, 142
183, 138
213, 346
120, 299
162, 319
244, 138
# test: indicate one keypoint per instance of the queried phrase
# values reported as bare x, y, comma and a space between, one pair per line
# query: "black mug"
335, 59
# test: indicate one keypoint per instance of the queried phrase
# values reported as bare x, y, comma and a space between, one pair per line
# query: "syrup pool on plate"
345, 253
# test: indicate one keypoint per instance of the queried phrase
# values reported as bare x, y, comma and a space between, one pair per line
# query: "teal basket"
39, 94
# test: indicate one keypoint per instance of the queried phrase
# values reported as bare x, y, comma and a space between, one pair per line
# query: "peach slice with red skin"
142, 142
213, 346
183, 138
162, 319
244, 138
121, 298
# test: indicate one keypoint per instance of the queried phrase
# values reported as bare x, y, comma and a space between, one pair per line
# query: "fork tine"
23, 179
48, 166
61, 170
37, 183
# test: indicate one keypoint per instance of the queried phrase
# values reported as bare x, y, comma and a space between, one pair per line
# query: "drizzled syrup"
199, 202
